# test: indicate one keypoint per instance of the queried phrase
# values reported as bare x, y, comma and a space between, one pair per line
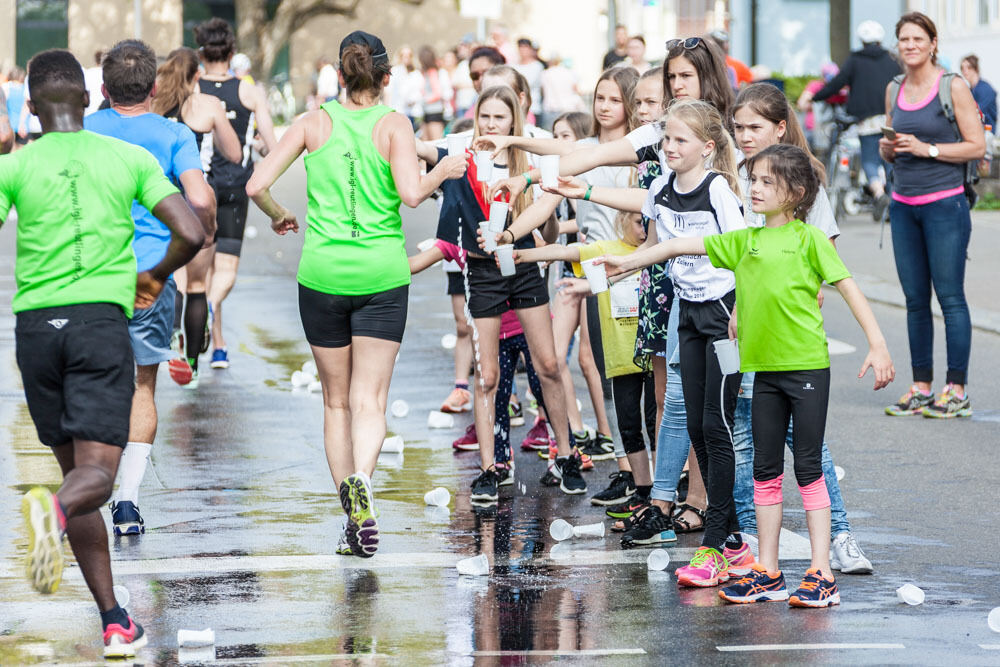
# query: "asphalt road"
242, 516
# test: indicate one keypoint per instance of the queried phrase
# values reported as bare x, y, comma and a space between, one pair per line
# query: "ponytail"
361, 74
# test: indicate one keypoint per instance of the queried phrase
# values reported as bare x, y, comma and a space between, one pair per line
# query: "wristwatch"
933, 151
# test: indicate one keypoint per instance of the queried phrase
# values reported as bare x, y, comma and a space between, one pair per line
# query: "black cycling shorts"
456, 283
332, 320
78, 372
491, 294
231, 220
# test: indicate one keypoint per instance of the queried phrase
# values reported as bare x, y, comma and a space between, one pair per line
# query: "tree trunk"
840, 31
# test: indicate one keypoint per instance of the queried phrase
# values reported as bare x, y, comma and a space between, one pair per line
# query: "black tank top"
223, 174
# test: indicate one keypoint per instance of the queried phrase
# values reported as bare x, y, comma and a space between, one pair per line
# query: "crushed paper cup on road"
121, 595
478, 566
436, 419
658, 559
597, 276
192, 638
728, 352
549, 166
589, 530
560, 530
300, 379
250, 232
315, 387
392, 445
993, 620
425, 245
439, 497
456, 145
399, 408
448, 341
910, 594
839, 472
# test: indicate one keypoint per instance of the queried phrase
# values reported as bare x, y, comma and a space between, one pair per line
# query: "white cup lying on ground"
437, 419
439, 497
477, 566
658, 559
560, 530
189, 638
910, 594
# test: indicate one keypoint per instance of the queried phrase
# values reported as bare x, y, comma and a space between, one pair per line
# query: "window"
984, 12
41, 24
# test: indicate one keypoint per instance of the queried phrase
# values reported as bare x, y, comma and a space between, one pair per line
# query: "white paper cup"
439, 497
560, 530
839, 472
315, 387
498, 215
195, 656
597, 276
400, 408
589, 530
910, 594
190, 638
437, 419
505, 253
489, 236
993, 620
393, 444
456, 145
309, 367
250, 232
448, 341
121, 595
728, 352
658, 559
301, 379
549, 166
484, 165
425, 245
477, 566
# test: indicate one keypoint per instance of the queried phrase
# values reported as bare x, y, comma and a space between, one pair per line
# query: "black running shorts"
78, 372
231, 219
491, 294
456, 283
332, 320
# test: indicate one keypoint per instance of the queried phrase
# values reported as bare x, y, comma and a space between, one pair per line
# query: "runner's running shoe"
621, 488
220, 358
949, 405
627, 507
122, 642
600, 448
549, 453
468, 442
740, 560
459, 400
505, 473
538, 436
846, 555
177, 342
484, 487
358, 501
193, 384
654, 527
815, 591
43, 518
180, 370
913, 402
343, 548
516, 414
126, 518
756, 586
586, 463
570, 478
549, 478
707, 568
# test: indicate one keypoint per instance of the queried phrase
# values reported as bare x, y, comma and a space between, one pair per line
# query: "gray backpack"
948, 106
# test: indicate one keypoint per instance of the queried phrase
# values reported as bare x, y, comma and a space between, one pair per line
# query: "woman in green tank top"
361, 164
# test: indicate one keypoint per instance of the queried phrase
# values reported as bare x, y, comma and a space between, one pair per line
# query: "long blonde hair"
517, 160
174, 79
706, 122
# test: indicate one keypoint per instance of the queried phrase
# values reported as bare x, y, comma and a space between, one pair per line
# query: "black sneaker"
621, 488
654, 528
125, 516
601, 448
549, 478
484, 487
570, 478
626, 509
505, 473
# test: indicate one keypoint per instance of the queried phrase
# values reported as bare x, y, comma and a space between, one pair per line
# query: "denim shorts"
150, 328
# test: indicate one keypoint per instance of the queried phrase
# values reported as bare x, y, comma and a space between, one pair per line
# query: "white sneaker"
847, 556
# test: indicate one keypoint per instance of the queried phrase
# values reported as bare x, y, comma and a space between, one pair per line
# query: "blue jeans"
930, 244
743, 488
870, 158
673, 443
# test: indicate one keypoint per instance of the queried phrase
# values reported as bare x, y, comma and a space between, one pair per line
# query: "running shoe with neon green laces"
949, 405
707, 568
46, 526
912, 403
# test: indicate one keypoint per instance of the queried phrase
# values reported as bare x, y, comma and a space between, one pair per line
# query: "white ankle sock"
131, 470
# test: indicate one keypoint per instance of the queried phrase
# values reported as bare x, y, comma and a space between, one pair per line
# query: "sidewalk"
875, 269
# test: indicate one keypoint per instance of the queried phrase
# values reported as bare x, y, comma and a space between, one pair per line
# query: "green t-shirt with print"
73, 192
779, 271
617, 333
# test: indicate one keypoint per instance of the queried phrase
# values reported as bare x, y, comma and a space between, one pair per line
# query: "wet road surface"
242, 521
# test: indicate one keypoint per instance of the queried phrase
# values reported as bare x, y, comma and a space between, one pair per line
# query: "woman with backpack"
934, 137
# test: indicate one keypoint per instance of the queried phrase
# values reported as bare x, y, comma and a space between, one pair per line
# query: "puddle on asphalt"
286, 353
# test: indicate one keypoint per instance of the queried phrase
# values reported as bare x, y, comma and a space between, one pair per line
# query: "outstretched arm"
878, 358
536, 145
413, 187
550, 253
623, 199
425, 259
660, 252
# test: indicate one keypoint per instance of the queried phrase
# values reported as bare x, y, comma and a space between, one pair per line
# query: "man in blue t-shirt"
129, 83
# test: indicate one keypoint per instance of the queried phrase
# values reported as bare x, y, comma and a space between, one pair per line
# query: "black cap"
379, 55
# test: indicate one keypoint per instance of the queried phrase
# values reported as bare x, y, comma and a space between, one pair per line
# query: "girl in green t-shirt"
779, 269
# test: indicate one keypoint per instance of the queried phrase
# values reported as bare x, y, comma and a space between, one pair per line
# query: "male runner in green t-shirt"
76, 287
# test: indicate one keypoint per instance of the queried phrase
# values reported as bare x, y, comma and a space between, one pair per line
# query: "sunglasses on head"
689, 43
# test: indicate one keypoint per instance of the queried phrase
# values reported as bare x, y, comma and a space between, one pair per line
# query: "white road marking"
808, 647
567, 653
990, 647
839, 347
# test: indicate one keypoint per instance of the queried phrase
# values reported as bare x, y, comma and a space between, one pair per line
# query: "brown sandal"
621, 525
683, 525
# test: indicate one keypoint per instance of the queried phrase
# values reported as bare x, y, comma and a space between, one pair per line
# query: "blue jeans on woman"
930, 243
743, 488
673, 443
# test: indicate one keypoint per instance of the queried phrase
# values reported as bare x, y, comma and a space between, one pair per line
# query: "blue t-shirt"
986, 98
15, 101
174, 147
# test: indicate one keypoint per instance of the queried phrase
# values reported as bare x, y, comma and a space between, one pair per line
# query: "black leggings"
633, 411
802, 396
231, 220
710, 402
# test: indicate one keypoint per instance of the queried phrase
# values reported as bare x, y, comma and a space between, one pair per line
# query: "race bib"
625, 298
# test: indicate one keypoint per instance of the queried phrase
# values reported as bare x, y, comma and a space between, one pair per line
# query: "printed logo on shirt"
809, 387
73, 171
59, 324
754, 252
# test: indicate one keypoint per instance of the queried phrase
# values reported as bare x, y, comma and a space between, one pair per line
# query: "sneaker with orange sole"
741, 560
459, 400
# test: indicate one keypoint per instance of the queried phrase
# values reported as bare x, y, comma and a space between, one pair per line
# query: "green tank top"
354, 241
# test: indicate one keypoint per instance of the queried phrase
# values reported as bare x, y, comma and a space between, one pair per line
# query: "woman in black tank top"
246, 110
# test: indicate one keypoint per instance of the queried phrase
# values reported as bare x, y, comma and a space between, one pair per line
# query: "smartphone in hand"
889, 133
